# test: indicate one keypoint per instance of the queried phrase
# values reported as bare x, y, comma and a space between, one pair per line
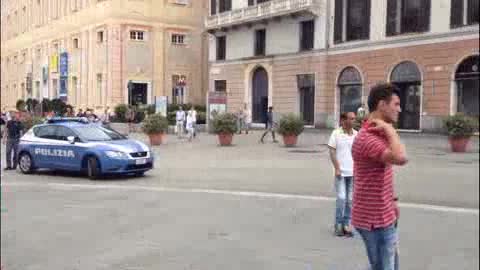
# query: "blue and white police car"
74, 144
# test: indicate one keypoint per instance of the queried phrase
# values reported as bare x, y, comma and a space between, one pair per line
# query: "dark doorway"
138, 94
407, 77
306, 88
410, 103
467, 80
259, 95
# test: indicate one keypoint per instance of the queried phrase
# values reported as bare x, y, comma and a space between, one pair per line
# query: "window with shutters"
213, 7
307, 35
220, 85
352, 20
137, 35
463, 13
178, 39
260, 36
221, 47
408, 16
224, 5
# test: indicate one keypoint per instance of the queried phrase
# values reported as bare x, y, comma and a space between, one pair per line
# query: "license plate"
141, 161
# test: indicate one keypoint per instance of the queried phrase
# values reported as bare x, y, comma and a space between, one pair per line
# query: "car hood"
127, 146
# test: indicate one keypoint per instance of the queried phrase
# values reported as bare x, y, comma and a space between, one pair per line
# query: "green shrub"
290, 124
120, 112
459, 125
201, 118
139, 116
21, 105
172, 118
155, 123
225, 123
30, 121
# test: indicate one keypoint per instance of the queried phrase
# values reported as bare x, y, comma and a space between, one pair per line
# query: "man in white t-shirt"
340, 146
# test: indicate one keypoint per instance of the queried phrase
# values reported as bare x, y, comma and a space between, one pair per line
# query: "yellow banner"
54, 63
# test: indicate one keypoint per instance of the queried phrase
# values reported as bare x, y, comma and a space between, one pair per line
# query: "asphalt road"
250, 206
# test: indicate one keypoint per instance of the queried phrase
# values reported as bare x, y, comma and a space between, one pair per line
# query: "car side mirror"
71, 139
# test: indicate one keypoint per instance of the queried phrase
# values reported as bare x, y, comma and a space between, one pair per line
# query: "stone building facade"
319, 58
98, 53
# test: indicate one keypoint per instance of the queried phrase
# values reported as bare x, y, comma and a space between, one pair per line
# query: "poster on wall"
161, 105
53, 63
64, 64
216, 104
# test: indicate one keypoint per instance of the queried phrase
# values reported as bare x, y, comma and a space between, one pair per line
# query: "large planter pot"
225, 139
290, 140
156, 138
459, 144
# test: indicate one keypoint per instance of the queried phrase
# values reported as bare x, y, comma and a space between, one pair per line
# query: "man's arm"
333, 158
395, 154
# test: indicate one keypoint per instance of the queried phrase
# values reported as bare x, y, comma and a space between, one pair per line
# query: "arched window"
467, 77
259, 95
408, 78
350, 86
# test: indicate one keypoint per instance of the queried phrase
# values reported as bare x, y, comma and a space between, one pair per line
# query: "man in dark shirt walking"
13, 132
270, 127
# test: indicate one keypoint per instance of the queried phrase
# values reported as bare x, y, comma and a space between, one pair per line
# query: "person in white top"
193, 112
340, 146
190, 125
180, 118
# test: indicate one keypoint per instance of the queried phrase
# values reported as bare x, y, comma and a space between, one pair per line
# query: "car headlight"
116, 155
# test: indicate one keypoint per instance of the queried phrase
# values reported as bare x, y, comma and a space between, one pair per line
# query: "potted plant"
225, 125
460, 128
155, 126
290, 127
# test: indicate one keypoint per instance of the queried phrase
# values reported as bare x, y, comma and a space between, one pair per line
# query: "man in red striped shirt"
375, 150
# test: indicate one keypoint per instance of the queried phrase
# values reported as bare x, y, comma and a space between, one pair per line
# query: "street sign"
161, 105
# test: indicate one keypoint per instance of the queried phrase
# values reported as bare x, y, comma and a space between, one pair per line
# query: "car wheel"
93, 168
25, 163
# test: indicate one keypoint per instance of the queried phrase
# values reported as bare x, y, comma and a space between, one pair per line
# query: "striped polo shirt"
373, 195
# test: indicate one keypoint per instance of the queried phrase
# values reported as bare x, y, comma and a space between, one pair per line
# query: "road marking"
63, 186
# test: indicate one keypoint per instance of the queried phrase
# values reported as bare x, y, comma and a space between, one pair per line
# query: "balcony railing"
265, 10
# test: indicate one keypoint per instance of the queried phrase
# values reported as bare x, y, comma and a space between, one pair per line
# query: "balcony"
268, 10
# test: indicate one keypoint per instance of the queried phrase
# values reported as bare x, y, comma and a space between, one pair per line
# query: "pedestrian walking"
340, 146
13, 133
189, 125
362, 111
248, 118
105, 118
241, 120
194, 120
269, 126
130, 117
180, 119
375, 150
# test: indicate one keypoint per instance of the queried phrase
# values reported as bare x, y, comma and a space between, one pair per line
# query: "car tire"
93, 168
25, 163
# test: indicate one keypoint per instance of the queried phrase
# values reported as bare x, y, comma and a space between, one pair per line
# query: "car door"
44, 138
69, 156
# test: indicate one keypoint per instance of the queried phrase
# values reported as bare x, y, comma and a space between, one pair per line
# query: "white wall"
237, 4
283, 37
240, 44
440, 16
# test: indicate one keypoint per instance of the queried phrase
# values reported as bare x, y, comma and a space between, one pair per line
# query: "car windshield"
96, 134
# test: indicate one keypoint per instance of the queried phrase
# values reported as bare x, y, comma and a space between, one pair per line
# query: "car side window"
62, 133
45, 132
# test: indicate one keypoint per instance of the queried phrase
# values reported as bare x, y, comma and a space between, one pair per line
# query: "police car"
74, 144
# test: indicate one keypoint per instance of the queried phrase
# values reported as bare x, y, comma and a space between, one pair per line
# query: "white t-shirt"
342, 142
180, 116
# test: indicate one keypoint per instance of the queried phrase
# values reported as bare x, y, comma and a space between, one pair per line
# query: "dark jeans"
269, 129
12, 149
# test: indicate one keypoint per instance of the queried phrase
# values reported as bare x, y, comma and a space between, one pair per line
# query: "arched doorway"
467, 78
350, 86
407, 77
259, 95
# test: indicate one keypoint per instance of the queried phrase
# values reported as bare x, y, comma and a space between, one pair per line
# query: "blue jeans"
344, 190
382, 247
